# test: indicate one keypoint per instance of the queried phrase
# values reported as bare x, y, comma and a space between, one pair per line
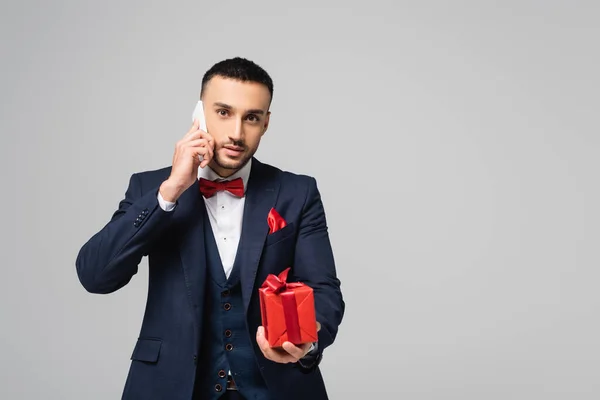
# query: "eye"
253, 118
222, 112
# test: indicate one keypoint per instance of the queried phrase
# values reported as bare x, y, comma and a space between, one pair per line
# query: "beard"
233, 164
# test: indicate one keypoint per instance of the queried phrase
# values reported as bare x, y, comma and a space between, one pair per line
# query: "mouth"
234, 148
233, 151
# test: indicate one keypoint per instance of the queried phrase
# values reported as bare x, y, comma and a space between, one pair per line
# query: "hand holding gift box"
288, 316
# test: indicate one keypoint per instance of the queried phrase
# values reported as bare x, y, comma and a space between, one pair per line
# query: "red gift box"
287, 311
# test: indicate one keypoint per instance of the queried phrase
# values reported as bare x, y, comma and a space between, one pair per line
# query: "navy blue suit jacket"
164, 359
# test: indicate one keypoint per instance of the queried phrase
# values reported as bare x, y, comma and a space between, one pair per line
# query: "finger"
197, 143
208, 137
205, 161
262, 341
189, 142
194, 152
195, 126
280, 356
288, 358
318, 326
192, 134
268, 351
295, 351
198, 134
305, 348
209, 155
201, 151
193, 129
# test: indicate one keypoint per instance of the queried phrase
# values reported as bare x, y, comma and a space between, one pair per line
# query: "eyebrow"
228, 107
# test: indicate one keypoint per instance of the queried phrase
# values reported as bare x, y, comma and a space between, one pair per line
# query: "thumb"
260, 338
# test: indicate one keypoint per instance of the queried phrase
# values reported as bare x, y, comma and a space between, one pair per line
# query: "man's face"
236, 117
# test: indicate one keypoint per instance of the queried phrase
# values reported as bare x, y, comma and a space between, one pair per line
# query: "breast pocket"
281, 234
278, 252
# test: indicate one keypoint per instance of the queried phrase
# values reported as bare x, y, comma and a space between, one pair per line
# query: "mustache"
235, 143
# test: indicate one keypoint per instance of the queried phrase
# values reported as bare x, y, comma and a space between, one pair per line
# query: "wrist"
310, 361
170, 191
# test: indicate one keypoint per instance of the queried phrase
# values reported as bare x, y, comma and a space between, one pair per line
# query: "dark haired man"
202, 222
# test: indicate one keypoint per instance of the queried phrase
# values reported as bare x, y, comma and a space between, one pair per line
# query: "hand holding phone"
193, 151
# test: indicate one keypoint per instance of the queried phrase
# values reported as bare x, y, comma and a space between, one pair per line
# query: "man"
210, 248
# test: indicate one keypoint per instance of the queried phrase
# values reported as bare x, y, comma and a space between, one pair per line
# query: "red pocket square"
275, 221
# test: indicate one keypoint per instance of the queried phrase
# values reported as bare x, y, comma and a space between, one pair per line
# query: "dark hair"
240, 69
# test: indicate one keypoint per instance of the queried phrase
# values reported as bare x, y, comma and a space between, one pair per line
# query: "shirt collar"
244, 173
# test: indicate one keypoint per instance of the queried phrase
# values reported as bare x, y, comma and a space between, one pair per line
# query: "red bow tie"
209, 188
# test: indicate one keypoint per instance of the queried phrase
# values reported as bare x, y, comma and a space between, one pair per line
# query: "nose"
238, 131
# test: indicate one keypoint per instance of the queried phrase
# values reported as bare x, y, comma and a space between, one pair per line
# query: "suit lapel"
261, 194
192, 214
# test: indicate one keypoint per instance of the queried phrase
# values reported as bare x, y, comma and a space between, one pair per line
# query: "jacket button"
228, 333
222, 373
195, 359
218, 387
229, 347
227, 306
145, 212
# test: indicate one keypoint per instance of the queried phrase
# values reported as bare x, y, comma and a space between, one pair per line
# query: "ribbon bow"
279, 285
209, 188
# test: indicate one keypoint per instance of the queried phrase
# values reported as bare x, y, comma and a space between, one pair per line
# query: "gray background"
455, 145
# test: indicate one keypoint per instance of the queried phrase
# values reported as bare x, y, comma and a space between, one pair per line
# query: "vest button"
222, 373
227, 306
218, 387
229, 347
225, 293
228, 333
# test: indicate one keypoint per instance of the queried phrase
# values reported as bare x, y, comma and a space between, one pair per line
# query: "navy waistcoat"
226, 343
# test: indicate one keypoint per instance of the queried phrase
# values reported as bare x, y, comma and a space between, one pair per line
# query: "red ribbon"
279, 285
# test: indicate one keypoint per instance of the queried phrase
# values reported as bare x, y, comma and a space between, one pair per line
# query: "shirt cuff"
165, 205
311, 352
311, 359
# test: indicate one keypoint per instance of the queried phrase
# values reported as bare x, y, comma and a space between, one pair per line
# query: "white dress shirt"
225, 212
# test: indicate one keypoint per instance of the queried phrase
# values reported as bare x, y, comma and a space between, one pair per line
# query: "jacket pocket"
146, 350
279, 235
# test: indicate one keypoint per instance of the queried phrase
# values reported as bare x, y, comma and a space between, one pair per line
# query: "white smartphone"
199, 115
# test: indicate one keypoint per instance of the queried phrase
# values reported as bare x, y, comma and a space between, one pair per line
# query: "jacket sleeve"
110, 258
314, 265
